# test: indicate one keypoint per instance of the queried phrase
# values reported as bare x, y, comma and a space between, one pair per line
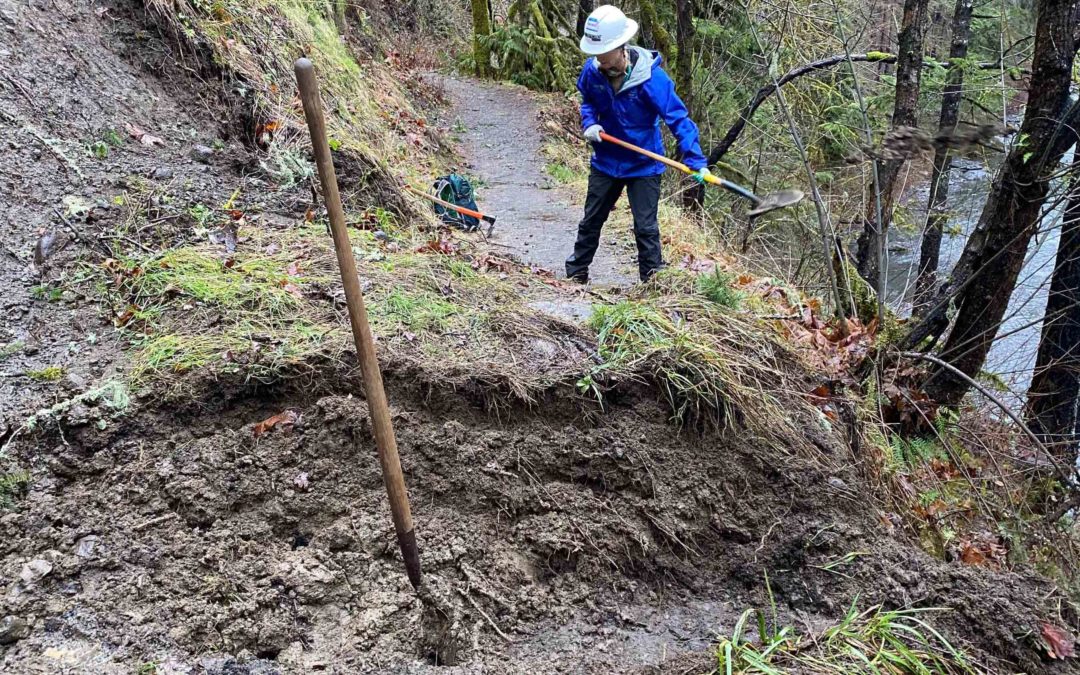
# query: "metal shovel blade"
776, 200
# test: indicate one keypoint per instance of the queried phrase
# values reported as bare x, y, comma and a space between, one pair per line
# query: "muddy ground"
554, 538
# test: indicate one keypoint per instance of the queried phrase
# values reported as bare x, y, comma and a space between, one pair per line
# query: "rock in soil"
202, 153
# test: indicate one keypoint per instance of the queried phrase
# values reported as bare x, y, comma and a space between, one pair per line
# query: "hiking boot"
579, 278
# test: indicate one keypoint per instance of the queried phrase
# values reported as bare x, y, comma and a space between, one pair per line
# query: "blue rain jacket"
633, 114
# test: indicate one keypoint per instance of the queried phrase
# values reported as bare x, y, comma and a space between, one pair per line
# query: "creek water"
1012, 356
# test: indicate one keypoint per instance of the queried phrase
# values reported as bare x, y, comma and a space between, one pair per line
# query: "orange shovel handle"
455, 207
604, 136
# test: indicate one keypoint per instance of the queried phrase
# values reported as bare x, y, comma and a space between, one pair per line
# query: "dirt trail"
500, 141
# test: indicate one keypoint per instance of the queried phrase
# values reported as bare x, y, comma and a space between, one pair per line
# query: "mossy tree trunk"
651, 25
481, 16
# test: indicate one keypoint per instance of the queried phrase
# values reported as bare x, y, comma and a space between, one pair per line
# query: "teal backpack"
455, 189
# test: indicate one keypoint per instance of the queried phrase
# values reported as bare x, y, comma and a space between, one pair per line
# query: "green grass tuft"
871, 641
696, 353
560, 172
11, 349
13, 486
717, 287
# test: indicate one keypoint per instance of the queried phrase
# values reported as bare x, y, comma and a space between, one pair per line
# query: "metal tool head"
776, 200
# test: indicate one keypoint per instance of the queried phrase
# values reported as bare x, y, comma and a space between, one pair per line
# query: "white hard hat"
607, 28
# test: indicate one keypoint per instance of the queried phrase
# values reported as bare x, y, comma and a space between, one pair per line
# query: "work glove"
701, 175
592, 134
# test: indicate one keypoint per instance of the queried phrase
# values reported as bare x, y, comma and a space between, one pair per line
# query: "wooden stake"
378, 407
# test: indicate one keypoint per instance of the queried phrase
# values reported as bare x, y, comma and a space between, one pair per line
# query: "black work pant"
604, 191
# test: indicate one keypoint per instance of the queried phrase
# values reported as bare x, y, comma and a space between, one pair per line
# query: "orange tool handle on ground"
455, 207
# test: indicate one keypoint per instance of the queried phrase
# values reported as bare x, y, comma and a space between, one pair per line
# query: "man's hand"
702, 175
592, 134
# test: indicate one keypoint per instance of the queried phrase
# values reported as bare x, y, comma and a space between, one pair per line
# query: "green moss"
47, 374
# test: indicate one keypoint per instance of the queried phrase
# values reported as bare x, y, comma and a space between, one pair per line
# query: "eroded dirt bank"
558, 543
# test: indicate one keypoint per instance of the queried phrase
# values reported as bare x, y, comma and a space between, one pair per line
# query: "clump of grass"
11, 349
560, 172
698, 355
717, 287
874, 640
255, 281
566, 163
46, 374
13, 486
418, 311
47, 293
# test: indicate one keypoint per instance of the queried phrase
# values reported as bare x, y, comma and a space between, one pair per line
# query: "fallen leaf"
122, 319
293, 270
150, 140
294, 290
286, 419
971, 555
1059, 642
444, 246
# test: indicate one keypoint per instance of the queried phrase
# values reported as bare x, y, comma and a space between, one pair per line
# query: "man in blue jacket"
626, 93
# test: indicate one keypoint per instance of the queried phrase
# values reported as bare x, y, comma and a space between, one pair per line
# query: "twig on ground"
487, 618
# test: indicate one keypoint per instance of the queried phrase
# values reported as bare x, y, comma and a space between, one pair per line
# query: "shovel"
770, 202
490, 220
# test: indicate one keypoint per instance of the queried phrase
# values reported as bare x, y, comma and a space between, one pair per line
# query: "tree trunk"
651, 25
1055, 386
986, 274
693, 196
930, 252
481, 28
684, 58
905, 113
584, 9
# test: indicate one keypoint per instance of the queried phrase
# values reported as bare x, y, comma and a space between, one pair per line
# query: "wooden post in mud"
378, 407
